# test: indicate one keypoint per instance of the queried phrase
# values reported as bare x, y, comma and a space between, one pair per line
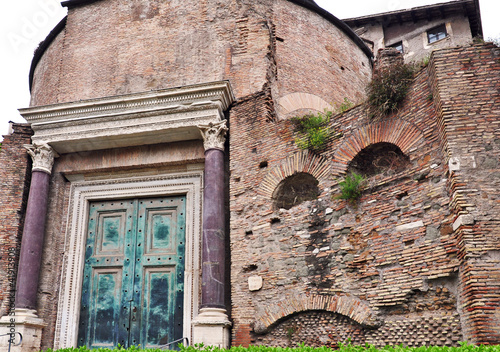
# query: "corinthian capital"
214, 135
42, 155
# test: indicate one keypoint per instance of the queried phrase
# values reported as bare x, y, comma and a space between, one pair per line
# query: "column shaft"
213, 277
32, 241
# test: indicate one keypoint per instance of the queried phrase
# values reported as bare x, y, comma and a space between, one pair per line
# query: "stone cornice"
135, 119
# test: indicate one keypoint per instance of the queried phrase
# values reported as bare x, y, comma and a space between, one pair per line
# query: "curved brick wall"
116, 47
45, 84
314, 57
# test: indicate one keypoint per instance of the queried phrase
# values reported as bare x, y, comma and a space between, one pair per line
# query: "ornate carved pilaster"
42, 155
214, 135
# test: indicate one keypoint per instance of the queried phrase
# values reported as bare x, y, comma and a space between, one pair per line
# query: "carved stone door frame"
189, 184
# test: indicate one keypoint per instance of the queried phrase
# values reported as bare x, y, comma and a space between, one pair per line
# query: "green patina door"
133, 281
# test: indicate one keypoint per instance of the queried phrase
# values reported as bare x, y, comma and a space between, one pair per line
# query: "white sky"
24, 23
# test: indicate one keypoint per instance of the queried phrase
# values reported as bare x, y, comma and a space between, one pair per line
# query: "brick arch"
296, 101
303, 161
345, 305
396, 131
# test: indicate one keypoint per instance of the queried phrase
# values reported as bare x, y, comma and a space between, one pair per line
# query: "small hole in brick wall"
409, 243
250, 267
342, 68
237, 179
254, 150
275, 220
401, 195
263, 164
248, 232
280, 39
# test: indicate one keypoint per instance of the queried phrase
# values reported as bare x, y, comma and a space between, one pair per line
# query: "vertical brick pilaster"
466, 94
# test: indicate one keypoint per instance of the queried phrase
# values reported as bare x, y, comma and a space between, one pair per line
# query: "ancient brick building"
168, 197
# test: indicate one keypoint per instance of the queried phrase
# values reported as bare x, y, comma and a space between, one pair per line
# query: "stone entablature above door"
153, 117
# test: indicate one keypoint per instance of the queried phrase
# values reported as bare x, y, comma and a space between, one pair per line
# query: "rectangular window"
436, 33
398, 46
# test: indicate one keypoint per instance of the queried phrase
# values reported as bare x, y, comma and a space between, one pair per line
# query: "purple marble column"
214, 237
34, 227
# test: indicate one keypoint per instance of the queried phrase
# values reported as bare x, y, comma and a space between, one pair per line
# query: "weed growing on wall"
313, 130
389, 88
344, 106
352, 187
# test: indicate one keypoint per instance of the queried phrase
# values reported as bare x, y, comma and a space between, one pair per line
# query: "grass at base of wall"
464, 347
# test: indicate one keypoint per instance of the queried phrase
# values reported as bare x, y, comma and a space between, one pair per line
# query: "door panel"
109, 247
158, 236
106, 294
111, 230
158, 308
134, 273
159, 270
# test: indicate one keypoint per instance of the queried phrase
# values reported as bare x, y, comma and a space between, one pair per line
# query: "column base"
28, 324
212, 328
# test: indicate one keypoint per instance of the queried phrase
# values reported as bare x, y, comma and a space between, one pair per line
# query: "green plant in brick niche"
344, 106
313, 130
352, 187
389, 88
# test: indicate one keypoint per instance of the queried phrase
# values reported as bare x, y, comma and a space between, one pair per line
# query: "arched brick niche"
347, 306
314, 328
295, 189
301, 162
398, 132
379, 158
300, 101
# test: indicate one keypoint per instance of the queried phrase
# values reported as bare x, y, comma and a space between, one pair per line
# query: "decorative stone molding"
304, 161
214, 135
42, 155
345, 305
399, 132
168, 115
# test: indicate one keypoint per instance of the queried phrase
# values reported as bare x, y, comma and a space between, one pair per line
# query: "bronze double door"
133, 281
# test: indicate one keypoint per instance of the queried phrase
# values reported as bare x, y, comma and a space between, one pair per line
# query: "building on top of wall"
418, 31
166, 194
